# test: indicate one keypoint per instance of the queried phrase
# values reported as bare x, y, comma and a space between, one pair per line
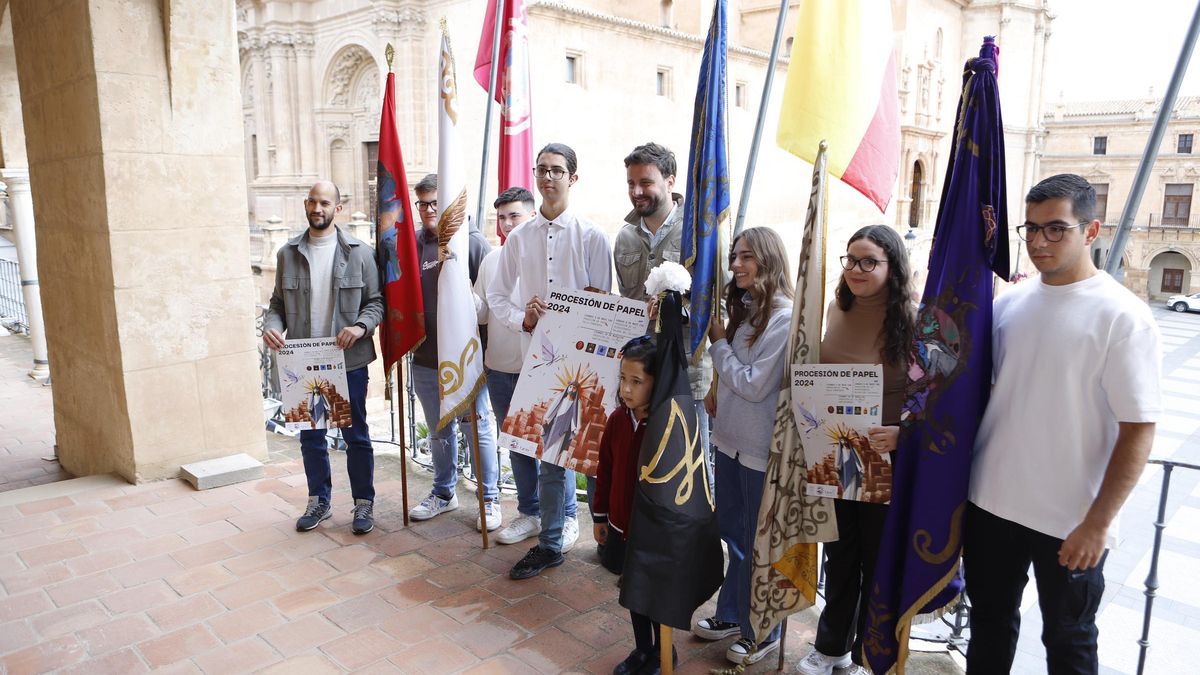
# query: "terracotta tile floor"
26, 420
108, 577
99, 576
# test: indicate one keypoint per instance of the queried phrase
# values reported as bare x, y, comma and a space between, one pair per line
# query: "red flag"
403, 326
512, 93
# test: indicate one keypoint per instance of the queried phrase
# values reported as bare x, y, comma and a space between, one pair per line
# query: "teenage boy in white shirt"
504, 357
555, 248
1066, 434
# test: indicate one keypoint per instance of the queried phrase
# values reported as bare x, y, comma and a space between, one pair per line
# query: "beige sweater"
856, 337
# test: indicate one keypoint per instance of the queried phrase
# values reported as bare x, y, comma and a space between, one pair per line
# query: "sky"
1117, 49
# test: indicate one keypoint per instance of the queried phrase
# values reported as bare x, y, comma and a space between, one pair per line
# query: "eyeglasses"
422, 205
555, 173
849, 262
1052, 233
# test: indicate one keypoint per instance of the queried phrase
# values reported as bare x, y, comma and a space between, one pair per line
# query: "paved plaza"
97, 575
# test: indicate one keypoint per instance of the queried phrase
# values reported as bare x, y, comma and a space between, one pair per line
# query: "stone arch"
343, 73
1170, 272
1187, 253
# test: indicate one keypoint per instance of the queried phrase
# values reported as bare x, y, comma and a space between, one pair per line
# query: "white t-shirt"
320, 269
506, 347
1069, 363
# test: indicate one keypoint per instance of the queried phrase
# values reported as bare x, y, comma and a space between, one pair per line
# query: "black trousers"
612, 553
996, 558
849, 569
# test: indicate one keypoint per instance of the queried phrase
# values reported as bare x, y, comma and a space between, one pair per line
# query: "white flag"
460, 352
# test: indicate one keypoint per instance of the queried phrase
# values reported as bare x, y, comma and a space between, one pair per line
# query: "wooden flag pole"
665, 650
398, 382
478, 472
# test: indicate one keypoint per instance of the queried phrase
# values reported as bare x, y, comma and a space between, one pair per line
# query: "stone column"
21, 199
303, 45
262, 106
149, 315
281, 109
360, 228
275, 235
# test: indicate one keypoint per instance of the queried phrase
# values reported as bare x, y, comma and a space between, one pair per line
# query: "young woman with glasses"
870, 321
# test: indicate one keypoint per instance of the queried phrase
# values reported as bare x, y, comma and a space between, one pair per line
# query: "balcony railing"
12, 302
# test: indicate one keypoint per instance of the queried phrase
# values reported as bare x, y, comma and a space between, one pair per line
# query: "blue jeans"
360, 456
556, 486
443, 446
737, 517
524, 467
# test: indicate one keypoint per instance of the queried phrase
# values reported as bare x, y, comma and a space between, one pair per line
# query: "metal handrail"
1152, 585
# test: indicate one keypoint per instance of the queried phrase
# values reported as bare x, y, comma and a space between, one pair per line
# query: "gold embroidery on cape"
692, 461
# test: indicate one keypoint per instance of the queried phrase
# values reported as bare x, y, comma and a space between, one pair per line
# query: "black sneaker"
534, 562
632, 665
318, 510
364, 522
712, 629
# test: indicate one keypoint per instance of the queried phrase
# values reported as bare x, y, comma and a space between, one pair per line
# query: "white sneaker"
570, 534
433, 505
817, 663
494, 517
521, 529
856, 669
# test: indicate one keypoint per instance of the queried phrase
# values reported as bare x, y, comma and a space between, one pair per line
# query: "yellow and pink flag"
841, 88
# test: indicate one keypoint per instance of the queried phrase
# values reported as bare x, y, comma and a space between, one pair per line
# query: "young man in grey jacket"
653, 233
327, 285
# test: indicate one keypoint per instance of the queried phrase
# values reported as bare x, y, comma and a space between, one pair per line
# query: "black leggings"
645, 632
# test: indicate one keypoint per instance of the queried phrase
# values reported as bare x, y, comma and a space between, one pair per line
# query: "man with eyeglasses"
1066, 434
443, 444
327, 285
556, 248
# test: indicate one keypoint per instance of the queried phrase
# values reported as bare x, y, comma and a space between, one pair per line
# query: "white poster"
312, 379
834, 405
568, 383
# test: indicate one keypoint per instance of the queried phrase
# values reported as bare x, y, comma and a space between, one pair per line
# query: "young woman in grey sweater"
748, 356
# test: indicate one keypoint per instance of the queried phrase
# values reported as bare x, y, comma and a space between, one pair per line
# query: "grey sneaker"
570, 533
318, 510
433, 505
522, 528
364, 520
817, 663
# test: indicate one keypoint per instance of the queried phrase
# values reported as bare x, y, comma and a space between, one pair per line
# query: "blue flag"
949, 368
706, 204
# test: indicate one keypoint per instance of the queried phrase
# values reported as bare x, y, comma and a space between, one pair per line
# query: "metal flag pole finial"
389, 53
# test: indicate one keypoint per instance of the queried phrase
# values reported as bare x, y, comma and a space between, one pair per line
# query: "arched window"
937, 45
916, 193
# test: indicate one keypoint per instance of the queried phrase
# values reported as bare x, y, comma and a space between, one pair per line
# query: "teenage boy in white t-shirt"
1076, 366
